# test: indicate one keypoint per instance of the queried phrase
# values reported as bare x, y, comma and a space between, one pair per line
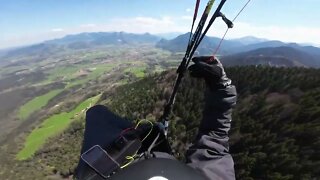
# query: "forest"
274, 135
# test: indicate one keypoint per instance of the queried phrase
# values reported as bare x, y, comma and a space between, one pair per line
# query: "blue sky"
30, 21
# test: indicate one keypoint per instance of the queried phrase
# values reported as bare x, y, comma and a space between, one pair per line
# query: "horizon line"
154, 34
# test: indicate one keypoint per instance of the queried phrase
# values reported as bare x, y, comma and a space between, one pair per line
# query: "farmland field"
137, 71
36, 104
51, 127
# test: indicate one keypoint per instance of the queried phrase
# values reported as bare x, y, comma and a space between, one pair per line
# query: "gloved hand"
211, 69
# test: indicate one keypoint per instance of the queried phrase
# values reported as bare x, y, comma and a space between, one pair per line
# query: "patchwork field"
44, 96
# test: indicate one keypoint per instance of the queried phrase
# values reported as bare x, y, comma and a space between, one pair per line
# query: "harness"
133, 144
141, 141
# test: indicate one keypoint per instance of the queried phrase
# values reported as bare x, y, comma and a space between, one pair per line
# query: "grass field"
50, 127
123, 81
69, 72
137, 71
60, 72
96, 54
98, 71
158, 68
37, 103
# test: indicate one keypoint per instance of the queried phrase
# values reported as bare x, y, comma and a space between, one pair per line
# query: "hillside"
314, 51
275, 131
265, 44
277, 56
247, 40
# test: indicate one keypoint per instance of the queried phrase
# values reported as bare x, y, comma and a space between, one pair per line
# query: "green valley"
45, 104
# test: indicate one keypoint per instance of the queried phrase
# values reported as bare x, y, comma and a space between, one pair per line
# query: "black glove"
211, 69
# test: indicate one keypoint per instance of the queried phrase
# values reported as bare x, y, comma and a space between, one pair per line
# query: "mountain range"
282, 56
78, 42
207, 45
242, 51
250, 51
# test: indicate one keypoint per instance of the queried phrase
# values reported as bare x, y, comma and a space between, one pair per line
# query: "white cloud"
134, 25
189, 18
88, 25
300, 34
148, 21
188, 10
142, 25
57, 30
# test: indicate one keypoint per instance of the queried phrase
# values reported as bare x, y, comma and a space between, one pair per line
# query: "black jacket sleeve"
210, 152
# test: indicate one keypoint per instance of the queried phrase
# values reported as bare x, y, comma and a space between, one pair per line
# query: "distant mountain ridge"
272, 56
207, 45
247, 40
251, 51
81, 41
101, 38
309, 56
169, 36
